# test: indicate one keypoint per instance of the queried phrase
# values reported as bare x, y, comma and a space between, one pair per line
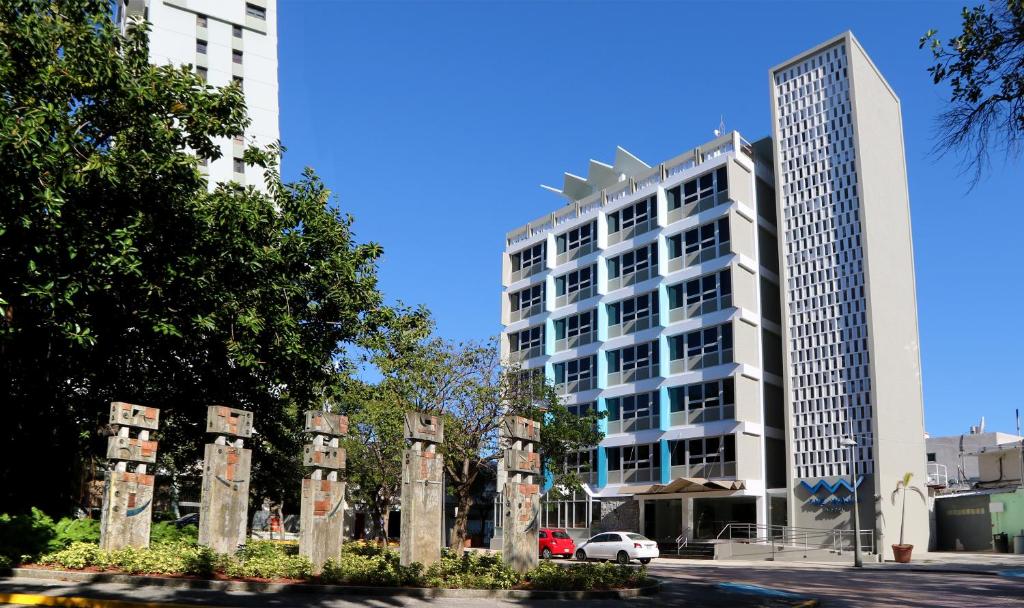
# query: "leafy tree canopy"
984, 68
126, 279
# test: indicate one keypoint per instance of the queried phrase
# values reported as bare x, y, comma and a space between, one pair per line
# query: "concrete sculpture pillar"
323, 495
422, 496
225, 503
128, 495
520, 439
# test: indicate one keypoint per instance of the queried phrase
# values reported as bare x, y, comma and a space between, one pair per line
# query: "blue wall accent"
602, 275
602, 322
663, 356
602, 424
663, 304
549, 372
666, 461
549, 337
549, 480
664, 415
602, 369
602, 467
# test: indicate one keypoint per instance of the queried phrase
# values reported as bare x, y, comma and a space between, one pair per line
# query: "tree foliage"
126, 279
984, 68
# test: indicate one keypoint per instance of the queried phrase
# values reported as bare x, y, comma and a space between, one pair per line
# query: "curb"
28, 599
935, 570
307, 588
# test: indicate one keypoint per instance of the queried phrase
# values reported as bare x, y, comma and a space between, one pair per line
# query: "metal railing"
938, 475
805, 538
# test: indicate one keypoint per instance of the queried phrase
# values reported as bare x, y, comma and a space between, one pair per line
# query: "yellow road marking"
27, 599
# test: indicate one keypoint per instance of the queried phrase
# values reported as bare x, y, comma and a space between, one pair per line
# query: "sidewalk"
993, 564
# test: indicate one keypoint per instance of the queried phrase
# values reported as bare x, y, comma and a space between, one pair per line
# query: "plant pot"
901, 553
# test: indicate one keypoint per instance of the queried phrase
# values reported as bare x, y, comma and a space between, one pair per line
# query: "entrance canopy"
695, 484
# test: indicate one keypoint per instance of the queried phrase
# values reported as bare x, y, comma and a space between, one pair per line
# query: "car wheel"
622, 557
581, 556
546, 553
645, 561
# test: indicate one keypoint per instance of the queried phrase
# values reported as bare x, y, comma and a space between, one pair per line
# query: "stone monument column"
422, 497
322, 515
128, 495
520, 438
225, 503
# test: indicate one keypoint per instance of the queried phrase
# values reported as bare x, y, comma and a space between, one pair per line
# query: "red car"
554, 542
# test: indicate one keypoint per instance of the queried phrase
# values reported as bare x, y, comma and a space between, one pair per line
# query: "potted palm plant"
901, 552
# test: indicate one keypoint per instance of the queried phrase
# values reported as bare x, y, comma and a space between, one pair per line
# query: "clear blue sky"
434, 123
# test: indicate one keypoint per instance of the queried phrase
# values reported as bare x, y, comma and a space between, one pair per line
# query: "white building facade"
225, 41
738, 311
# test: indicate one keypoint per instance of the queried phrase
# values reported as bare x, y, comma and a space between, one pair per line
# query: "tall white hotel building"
737, 311
225, 41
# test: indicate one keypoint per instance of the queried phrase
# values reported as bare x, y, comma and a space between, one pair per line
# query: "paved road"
688, 583
838, 586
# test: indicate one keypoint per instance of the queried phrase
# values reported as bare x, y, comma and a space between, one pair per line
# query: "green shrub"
165, 558
70, 531
470, 570
76, 556
5, 563
584, 577
372, 565
167, 532
25, 537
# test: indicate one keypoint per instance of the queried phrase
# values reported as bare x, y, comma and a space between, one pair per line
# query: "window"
252, 10
239, 139
701, 348
526, 339
239, 165
931, 456
639, 356
633, 216
577, 280
528, 258
202, 73
704, 451
581, 409
528, 298
236, 57
700, 244
642, 405
641, 456
200, 46
200, 20
641, 307
575, 371
575, 326
633, 261
576, 238
703, 395
239, 81
236, 31
702, 295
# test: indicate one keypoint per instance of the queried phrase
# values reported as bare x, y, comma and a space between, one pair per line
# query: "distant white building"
224, 41
953, 460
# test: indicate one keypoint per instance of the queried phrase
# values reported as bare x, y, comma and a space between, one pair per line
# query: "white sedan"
619, 546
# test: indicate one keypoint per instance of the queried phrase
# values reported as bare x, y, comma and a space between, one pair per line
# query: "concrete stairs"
693, 550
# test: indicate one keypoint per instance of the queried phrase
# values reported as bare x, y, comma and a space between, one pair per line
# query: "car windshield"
559, 534
637, 537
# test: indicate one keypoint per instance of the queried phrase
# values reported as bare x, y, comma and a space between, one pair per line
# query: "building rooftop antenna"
721, 126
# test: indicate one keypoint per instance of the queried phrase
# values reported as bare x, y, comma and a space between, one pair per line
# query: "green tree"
125, 279
984, 68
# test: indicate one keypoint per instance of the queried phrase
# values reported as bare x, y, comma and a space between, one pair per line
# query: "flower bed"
361, 564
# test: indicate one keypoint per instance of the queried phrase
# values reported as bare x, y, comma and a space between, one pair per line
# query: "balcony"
629, 327
635, 475
522, 273
632, 278
574, 296
629, 425
713, 470
576, 386
689, 311
634, 230
698, 206
575, 341
574, 254
524, 313
702, 414
702, 361
632, 375
522, 355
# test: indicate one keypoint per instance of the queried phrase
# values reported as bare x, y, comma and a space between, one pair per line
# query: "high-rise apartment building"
225, 41
737, 311
852, 346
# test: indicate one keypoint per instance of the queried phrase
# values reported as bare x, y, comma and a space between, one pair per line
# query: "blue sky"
435, 122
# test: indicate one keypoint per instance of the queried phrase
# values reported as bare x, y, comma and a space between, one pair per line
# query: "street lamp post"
852, 444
